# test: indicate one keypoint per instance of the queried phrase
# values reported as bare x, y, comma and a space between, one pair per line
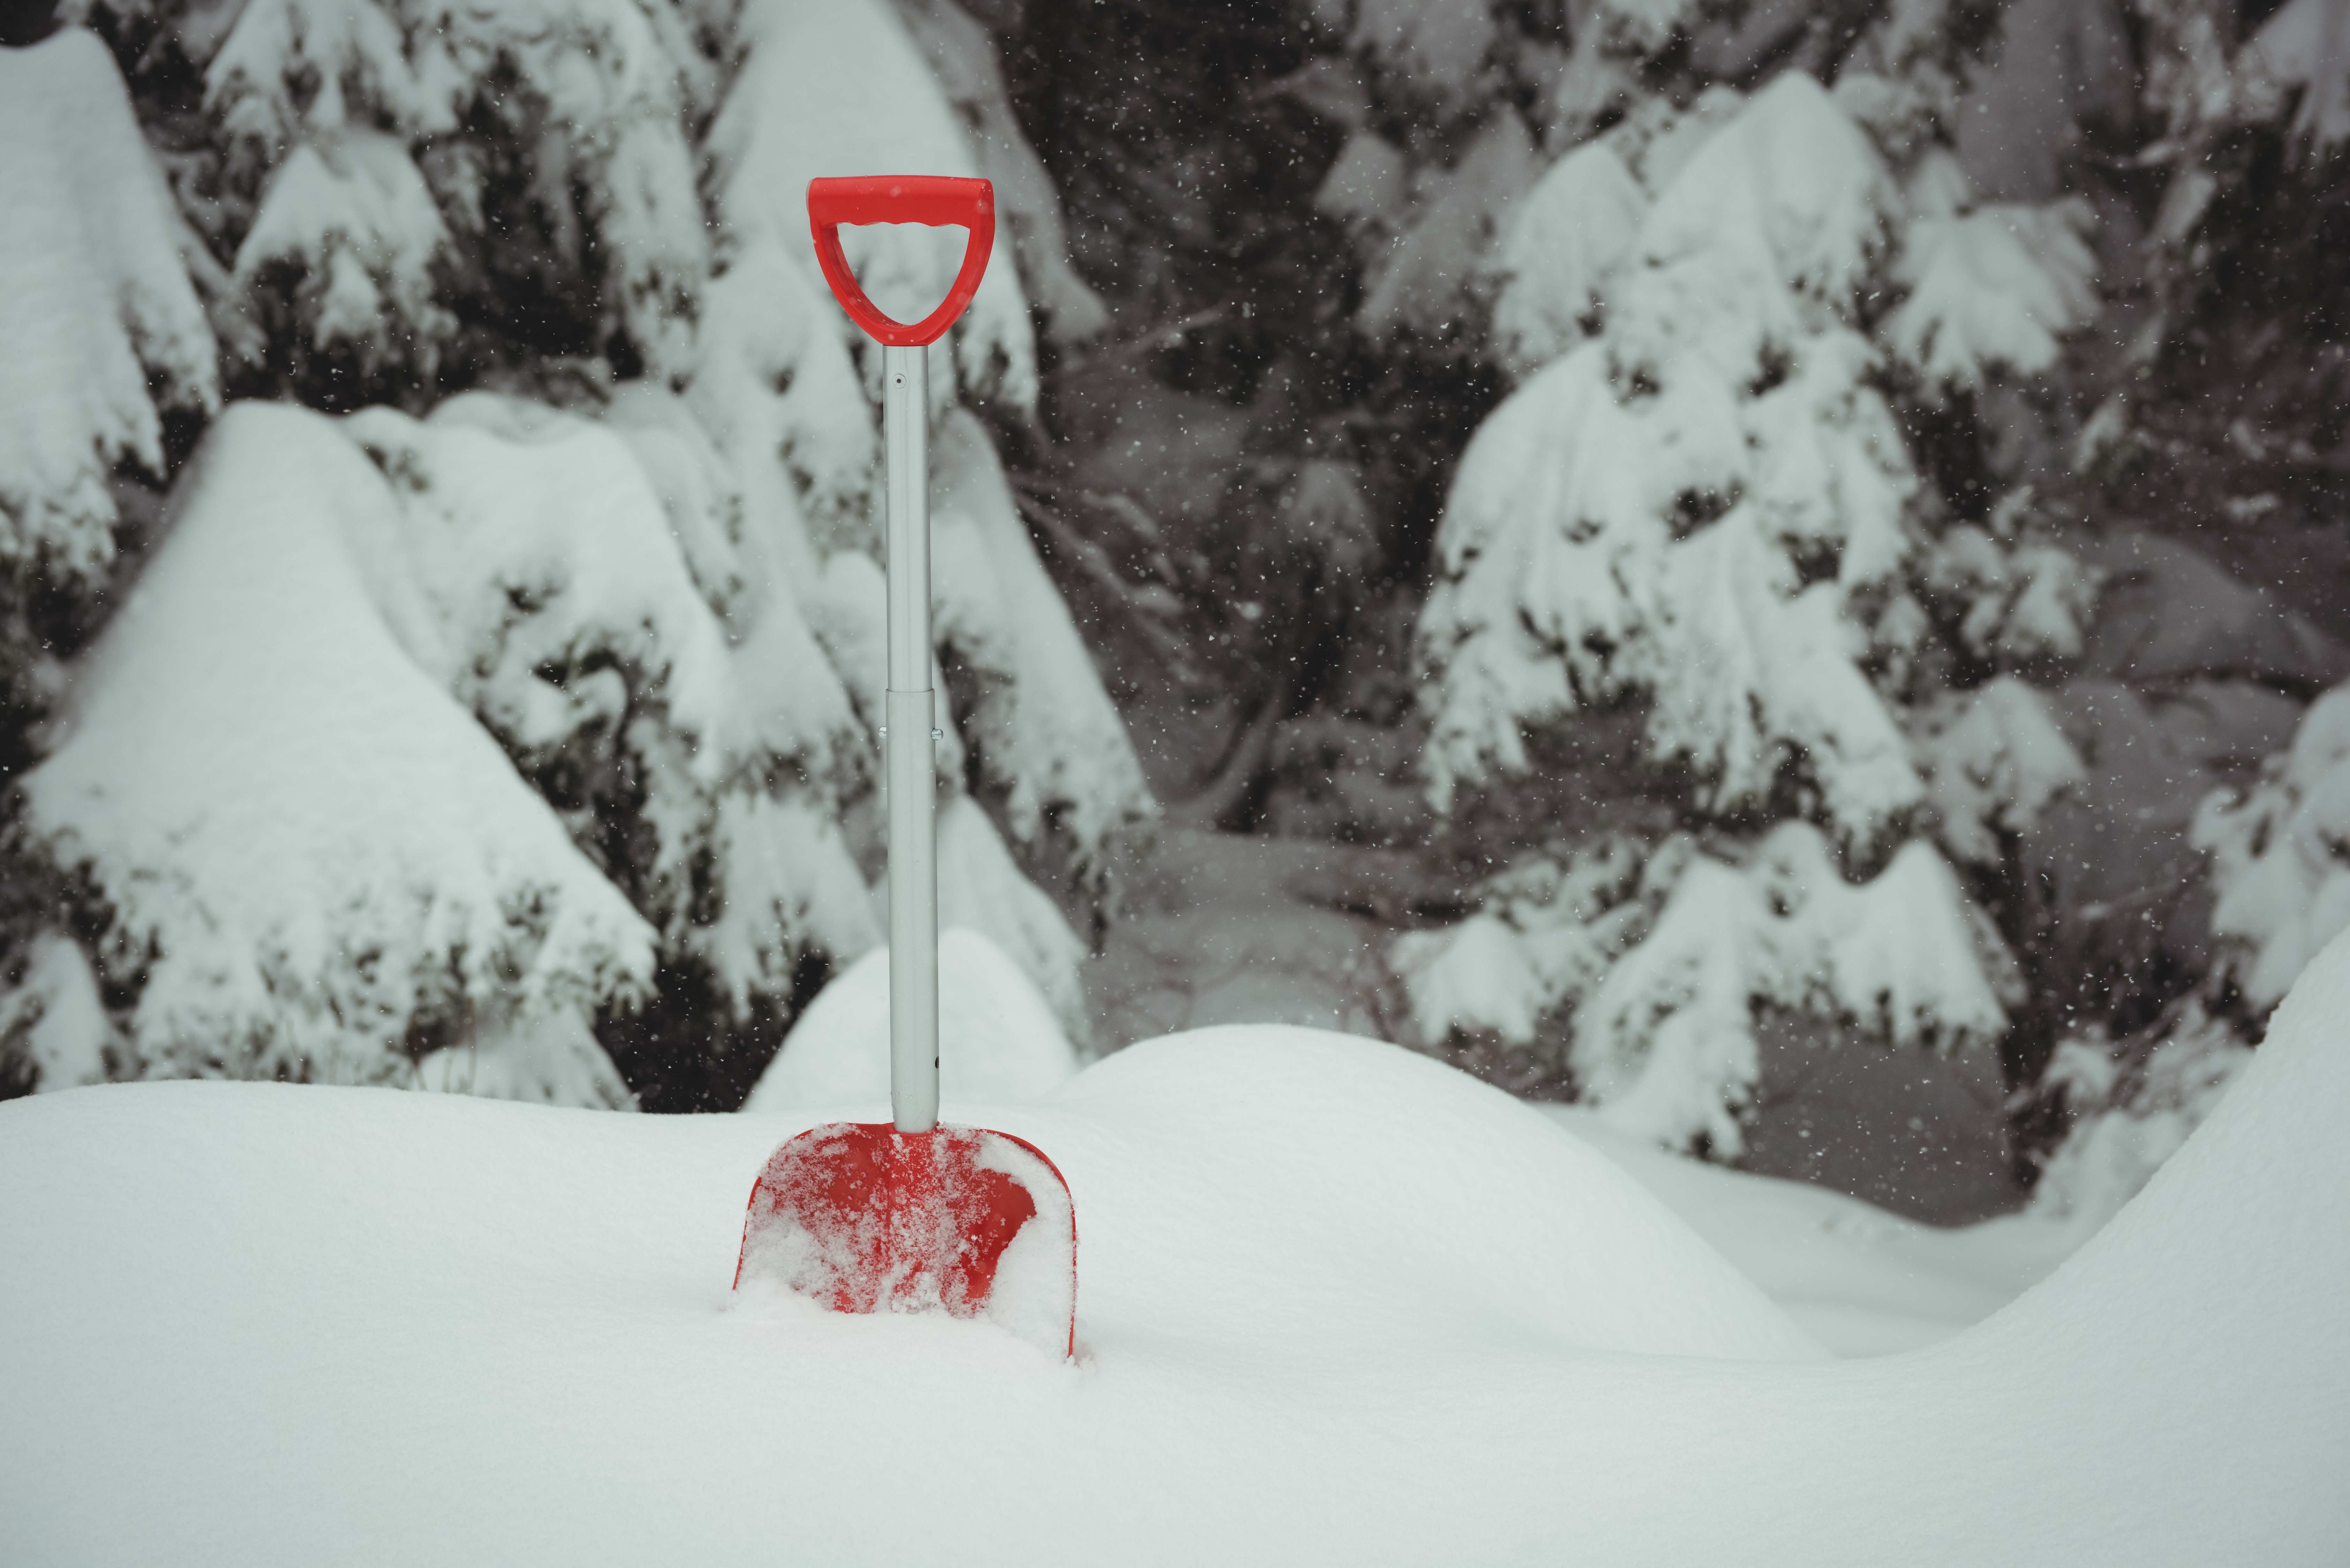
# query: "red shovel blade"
864, 1218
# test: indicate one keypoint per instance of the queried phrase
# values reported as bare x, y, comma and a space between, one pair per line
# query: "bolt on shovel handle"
938, 200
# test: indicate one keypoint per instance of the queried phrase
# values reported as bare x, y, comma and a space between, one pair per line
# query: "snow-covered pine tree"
2231, 406
443, 749
107, 342
2280, 849
1699, 508
2281, 892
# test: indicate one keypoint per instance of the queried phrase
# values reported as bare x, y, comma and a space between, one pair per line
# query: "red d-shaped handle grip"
938, 200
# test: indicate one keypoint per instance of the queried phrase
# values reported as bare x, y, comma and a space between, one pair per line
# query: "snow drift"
1337, 1304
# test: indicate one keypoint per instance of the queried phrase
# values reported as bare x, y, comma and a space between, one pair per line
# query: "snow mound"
998, 1037
1860, 1280
1377, 1312
1369, 1196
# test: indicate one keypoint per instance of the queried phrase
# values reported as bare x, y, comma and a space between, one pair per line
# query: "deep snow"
1337, 1303
1860, 1280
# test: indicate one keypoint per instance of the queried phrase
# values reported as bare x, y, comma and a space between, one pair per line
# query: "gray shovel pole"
911, 778
910, 715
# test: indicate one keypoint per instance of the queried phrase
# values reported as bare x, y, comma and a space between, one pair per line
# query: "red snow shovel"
905, 1215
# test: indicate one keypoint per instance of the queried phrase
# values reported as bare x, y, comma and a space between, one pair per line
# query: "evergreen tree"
522, 716
2226, 417
1708, 513
109, 356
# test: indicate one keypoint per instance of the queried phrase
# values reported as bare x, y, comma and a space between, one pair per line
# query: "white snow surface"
999, 1041
1335, 1303
1860, 1280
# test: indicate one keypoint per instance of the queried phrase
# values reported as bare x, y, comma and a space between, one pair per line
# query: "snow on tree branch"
1702, 508
317, 865
803, 106
556, 603
1996, 766
661, 604
1561, 255
103, 333
323, 103
2305, 46
1666, 964
345, 240
1994, 288
962, 57
1044, 727
2281, 857
1667, 491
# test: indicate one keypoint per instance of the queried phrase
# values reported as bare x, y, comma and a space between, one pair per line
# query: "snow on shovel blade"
864, 1218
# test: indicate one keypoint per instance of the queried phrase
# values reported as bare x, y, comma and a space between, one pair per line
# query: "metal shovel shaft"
909, 1215
911, 782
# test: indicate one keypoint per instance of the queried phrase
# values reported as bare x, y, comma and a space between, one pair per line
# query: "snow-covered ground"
1337, 1304
1860, 1280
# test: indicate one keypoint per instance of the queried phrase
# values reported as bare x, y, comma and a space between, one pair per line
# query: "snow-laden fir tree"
479, 741
2232, 407
106, 339
2280, 868
1699, 507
